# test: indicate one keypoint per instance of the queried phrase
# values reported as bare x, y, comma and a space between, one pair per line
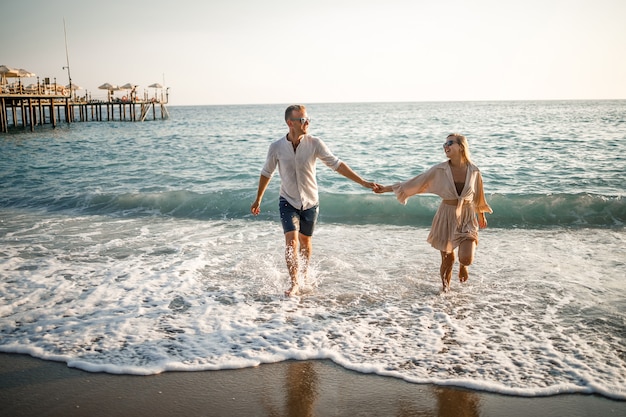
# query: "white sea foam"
147, 295
129, 248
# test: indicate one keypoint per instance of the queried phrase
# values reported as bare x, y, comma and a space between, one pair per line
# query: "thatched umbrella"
110, 88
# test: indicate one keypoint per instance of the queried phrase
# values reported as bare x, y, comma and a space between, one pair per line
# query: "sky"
212, 52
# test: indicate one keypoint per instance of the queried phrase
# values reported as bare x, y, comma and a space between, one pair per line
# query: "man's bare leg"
306, 248
291, 257
447, 261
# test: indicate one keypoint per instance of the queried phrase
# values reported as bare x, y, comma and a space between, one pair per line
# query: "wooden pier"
28, 110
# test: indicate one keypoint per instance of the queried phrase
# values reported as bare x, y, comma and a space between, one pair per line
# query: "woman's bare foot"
445, 280
294, 290
463, 273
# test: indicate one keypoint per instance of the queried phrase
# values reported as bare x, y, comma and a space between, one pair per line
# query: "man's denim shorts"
296, 219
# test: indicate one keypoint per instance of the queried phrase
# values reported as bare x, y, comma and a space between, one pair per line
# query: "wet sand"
33, 387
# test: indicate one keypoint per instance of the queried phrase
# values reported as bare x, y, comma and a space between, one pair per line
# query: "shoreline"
31, 386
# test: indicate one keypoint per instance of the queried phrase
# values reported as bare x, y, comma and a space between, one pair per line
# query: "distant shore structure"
47, 102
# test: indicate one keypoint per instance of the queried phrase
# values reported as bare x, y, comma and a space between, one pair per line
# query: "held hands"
372, 186
377, 188
382, 189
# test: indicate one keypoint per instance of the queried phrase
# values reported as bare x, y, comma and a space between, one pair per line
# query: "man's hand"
372, 185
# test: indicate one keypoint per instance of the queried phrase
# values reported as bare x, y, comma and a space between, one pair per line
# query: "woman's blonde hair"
464, 144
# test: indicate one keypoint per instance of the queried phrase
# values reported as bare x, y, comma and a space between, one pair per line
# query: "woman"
459, 183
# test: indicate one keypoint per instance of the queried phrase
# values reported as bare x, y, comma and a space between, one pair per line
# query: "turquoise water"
129, 247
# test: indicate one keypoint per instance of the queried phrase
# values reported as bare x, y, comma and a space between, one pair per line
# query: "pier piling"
31, 110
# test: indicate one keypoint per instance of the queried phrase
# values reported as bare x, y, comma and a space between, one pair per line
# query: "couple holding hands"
457, 181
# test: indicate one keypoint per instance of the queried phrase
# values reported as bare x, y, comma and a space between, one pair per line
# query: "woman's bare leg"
467, 248
447, 261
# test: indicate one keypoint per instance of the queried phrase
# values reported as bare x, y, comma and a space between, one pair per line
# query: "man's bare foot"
294, 290
463, 273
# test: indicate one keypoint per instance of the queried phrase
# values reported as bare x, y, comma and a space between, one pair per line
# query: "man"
296, 155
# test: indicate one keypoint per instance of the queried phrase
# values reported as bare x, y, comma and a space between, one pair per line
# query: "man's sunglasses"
302, 120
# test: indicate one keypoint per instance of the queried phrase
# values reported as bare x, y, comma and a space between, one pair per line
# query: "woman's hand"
482, 220
255, 208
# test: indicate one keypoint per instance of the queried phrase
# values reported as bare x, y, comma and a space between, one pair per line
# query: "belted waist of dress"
456, 202
459, 203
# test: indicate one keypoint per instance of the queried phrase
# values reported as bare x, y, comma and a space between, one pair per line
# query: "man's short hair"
292, 108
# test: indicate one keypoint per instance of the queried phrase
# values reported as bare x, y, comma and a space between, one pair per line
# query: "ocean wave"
510, 210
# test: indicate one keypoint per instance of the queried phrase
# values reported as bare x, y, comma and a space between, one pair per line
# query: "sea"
129, 247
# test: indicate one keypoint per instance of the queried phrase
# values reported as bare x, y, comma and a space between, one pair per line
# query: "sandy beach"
33, 387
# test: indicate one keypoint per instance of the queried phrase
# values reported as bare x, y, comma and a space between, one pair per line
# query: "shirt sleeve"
416, 185
271, 162
326, 156
480, 203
